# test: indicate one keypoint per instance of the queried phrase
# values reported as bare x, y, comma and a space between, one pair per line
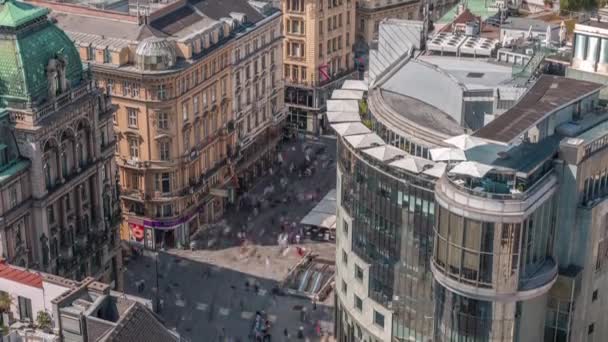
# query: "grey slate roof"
216, 9
139, 324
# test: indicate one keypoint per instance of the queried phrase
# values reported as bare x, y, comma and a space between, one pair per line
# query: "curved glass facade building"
386, 217
494, 239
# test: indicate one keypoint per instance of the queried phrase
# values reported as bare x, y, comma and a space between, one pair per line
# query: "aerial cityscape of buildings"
321, 170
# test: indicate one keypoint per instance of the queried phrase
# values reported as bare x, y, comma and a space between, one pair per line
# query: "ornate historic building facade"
60, 210
171, 70
317, 56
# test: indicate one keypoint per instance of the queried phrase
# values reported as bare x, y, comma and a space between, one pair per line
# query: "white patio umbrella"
471, 168
548, 36
562, 33
465, 141
385, 152
436, 171
412, 164
447, 154
365, 140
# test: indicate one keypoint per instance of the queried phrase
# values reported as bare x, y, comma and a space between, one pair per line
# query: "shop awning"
324, 213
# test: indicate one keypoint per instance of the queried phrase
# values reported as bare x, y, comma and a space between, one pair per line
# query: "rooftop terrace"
547, 95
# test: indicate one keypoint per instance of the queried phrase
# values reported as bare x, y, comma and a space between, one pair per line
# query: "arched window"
48, 178
64, 164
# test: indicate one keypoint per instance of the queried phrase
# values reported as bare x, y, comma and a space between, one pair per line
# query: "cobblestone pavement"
208, 294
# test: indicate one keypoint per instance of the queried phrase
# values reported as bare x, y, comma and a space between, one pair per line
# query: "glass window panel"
487, 241
592, 46
456, 231
485, 268
441, 252
473, 235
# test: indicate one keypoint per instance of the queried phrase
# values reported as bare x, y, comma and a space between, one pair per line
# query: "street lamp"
157, 297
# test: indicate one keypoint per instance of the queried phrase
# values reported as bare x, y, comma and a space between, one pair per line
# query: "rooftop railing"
480, 188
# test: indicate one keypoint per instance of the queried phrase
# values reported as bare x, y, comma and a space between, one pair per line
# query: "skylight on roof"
475, 75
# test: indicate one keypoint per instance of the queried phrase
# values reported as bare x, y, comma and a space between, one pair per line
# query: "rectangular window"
186, 140
132, 114
344, 257
161, 94
344, 287
378, 319
25, 309
134, 148
165, 182
185, 111
358, 273
195, 105
358, 303
50, 214
163, 120
163, 148
126, 88
590, 330
12, 196
345, 227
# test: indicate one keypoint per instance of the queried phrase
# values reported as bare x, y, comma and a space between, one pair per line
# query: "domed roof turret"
29, 43
155, 53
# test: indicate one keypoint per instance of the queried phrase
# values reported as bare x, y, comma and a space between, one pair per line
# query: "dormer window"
107, 58
56, 76
90, 53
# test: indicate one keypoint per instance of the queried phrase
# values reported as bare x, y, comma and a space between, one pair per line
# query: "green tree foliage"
43, 320
580, 5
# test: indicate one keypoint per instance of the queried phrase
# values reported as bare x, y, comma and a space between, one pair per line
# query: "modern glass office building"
501, 239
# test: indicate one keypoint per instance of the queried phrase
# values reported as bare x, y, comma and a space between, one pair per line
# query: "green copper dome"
28, 41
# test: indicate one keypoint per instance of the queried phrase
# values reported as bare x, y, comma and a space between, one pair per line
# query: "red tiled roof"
465, 17
20, 276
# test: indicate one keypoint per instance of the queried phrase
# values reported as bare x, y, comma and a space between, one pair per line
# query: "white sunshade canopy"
319, 220
336, 117
412, 164
365, 140
350, 128
385, 152
342, 106
324, 213
436, 171
355, 85
470, 168
465, 141
347, 94
447, 154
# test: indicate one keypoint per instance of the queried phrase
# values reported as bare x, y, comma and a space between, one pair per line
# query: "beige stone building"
258, 97
59, 209
318, 54
370, 13
169, 70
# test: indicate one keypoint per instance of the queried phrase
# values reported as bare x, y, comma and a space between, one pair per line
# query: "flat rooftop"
473, 73
420, 113
525, 157
524, 24
547, 95
594, 133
